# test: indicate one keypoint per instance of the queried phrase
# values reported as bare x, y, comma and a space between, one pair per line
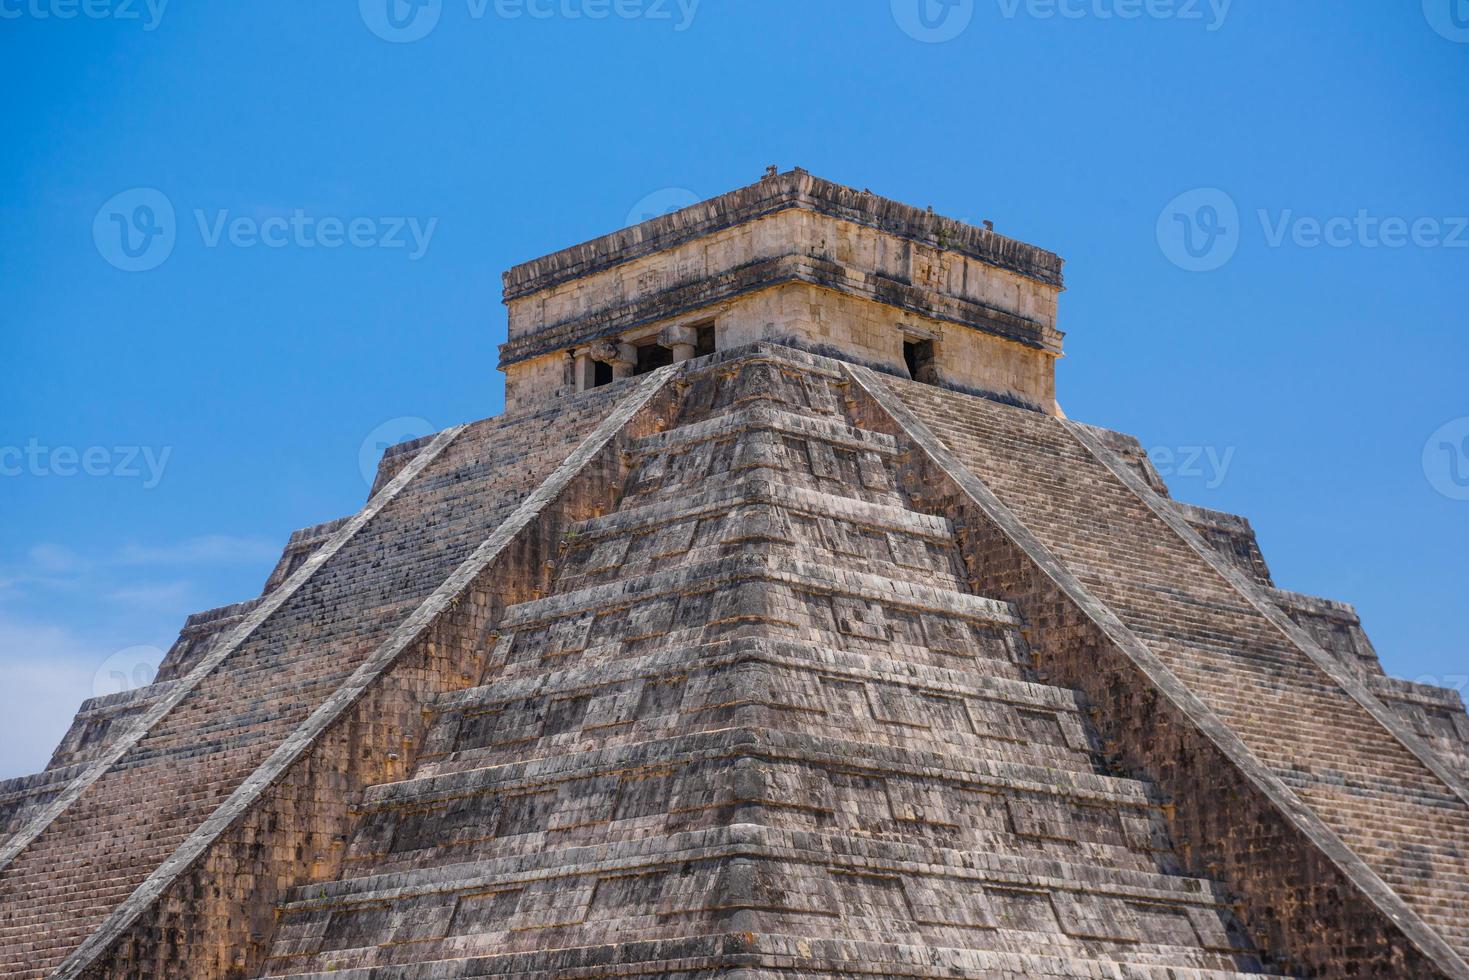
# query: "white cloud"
57, 568
157, 595
54, 559
46, 673
46, 561
47, 670
208, 549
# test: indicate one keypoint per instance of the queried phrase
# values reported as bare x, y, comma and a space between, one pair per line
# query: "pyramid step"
956, 680
765, 418
775, 535
773, 529
760, 594
768, 376
777, 779
795, 685
989, 775
761, 488
766, 956
770, 880
620, 960
820, 453
807, 576
542, 730
758, 512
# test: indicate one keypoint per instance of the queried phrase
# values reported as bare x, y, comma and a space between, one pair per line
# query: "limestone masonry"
781, 628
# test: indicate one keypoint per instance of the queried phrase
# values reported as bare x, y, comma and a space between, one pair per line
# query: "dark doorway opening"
652, 357
601, 374
918, 354
705, 342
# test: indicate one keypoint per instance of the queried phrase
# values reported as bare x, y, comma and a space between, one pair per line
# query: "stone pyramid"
781, 628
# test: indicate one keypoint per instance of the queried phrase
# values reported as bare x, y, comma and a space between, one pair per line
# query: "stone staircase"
1372, 790
760, 726
155, 765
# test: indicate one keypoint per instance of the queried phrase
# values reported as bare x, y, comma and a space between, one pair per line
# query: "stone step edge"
805, 657
755, 842
776, 745
780, 954
965, 745
1404, 691
1123, 960
807, 575
751, 536
791, 360
759, 489
764, 417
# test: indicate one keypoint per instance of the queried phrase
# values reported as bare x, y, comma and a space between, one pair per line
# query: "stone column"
626, 361
681, 340
582, 371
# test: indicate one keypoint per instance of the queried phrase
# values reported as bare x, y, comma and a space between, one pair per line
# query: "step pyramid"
782, 627
762, 700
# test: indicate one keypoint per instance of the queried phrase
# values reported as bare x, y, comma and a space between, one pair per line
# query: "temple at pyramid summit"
781, 628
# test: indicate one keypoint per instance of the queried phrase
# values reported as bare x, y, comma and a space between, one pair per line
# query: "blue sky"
1257, 202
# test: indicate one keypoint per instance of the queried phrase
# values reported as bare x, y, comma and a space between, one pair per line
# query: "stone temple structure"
781, 628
